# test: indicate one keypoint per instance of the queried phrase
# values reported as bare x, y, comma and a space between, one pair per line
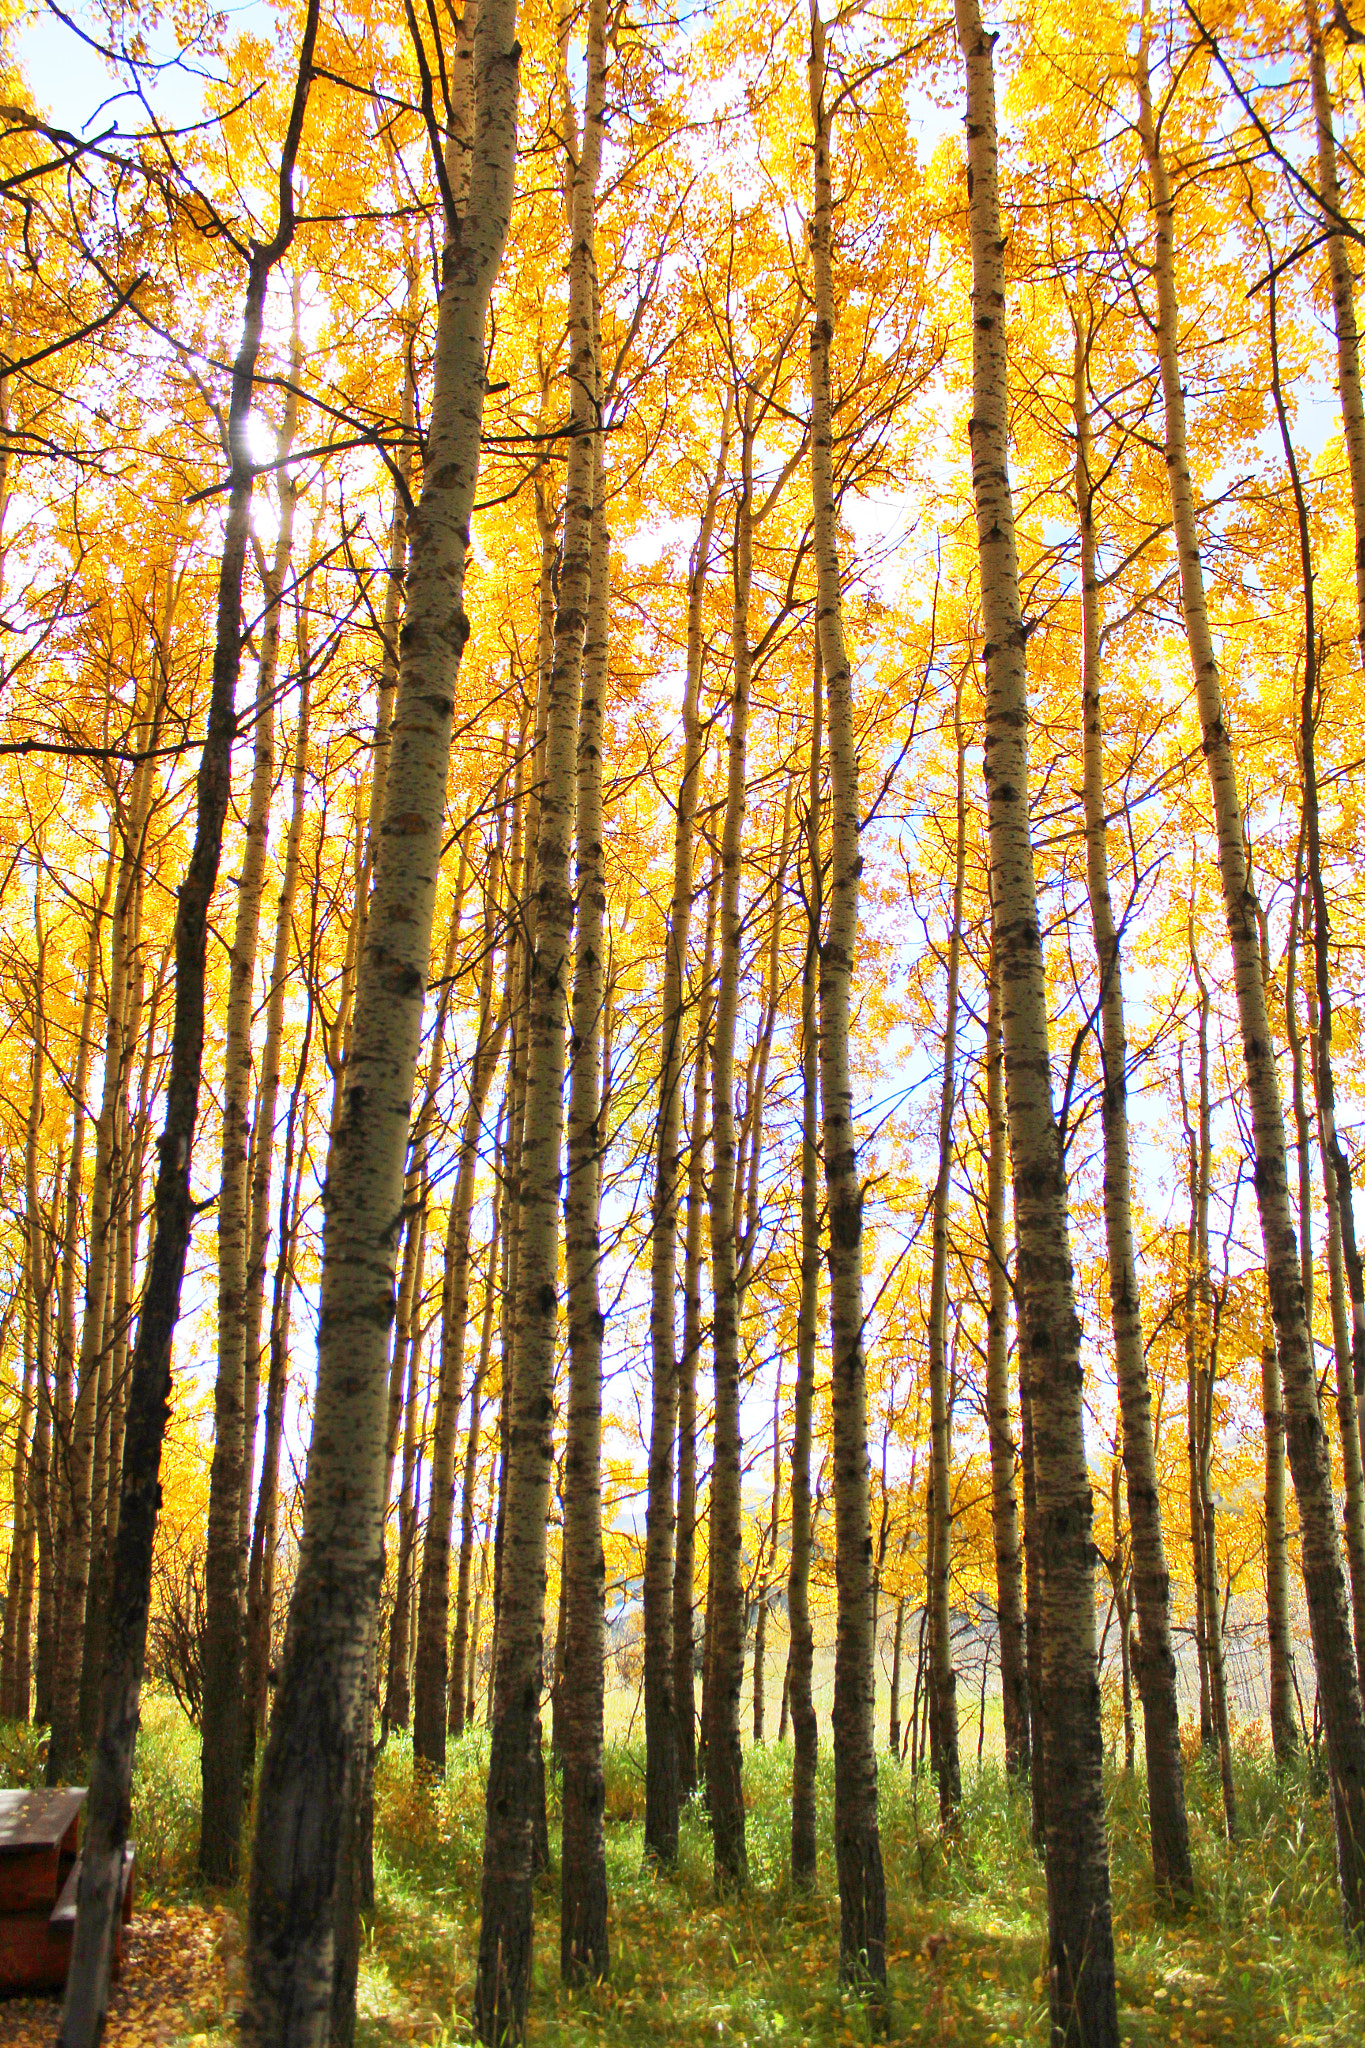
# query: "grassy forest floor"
1261, 1962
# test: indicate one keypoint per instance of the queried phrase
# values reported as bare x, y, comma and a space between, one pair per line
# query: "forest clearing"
682, 960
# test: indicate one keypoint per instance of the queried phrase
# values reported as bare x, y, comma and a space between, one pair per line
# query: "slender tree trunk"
485, 1552
230, 1477
397, 1695
1196, 1504
1126, 1649
262, 1157
767, 1561
1151, 1578
932, 1534
1033, 1599
88, 1699
1284, 1732
943, 1675
707, 1667
305, 1782
893, 1733
13, 1695
261, 1560
580, 1677
460, 1715
857, 1843
1323, 1579
662, 1782
685, 1543
65, 1746
128, 1286
1298, 1090
1346, 1289
919, 1697
1004, 1452
725, 1593
511, 1182
13, 1706
336, 1036
107, 1809
40, 1477
1083, 2001
504, 1968
42, 1490
264, 1535
1207, 1738
1343, 302
1353, 1489
527, 902
38, 1317
404, 1333
1203, 1332
64, 1376
521, 939
805, 1726
129, 1150
750, 1156
41, 1507
1121, 1588
371, 818
430, 1718
561, 1628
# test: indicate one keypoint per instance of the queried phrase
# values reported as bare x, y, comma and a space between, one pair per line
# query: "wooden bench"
39, 1879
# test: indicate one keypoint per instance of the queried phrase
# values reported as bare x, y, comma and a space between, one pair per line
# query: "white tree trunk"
262, 1161
504, 1968
230, 1476
584, 1952
1080, 1928
305, 1781
1343, 302
943, 1677
1151, 1579
1004, 1449
725, 1595
685, 1546
661, 1731
1324, 1581
857, 1841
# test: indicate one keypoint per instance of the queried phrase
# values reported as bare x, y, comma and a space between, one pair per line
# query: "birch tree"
857, 1842
1156, 1672
942, 1675
504, 1966
684, 1550
1324, 1582
107, 1810
584, 1948
1020, 1738
305, 1780
1080, 1932
805, 1727
661, 1706
221, 1749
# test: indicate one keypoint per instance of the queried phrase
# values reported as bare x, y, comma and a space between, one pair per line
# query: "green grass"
1260, 1962
165, 1790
